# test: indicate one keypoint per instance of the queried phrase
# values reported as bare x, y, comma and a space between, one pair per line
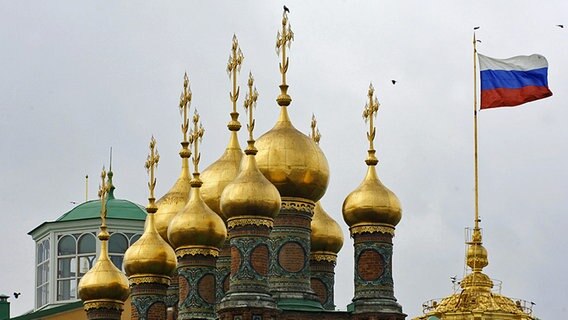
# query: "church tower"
372, 211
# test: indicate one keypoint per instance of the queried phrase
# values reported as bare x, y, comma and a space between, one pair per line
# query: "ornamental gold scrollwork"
103, 304
372, 229
250, 220
135, 280
182, 252
324, 256
297, 204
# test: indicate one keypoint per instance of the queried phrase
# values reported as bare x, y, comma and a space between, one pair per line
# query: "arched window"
117, 245
76, 254
42, 273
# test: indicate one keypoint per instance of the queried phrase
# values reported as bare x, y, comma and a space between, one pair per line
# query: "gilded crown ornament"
284, 39
176, 198
369, 114
249, 105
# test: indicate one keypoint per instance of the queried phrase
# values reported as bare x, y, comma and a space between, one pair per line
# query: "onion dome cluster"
196, 226
175, 199
250, 193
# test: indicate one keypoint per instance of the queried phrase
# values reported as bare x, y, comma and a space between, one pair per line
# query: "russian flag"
513, 81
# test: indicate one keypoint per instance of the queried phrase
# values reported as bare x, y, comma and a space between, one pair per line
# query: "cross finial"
315, 135
369, 113
284, 39
250, 104
184, 105
103, 190
150, 165
195, 137
233, 68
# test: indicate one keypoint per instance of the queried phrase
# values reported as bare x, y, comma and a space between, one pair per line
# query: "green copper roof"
116, 208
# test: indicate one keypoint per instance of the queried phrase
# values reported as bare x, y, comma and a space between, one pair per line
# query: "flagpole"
476, 225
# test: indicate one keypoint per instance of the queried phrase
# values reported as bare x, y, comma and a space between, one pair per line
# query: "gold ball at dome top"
326, 232
292, 161
371, 202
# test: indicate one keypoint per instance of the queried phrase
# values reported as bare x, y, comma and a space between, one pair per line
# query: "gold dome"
173, 201
292, 161
326, 232
371, 202
220, 173
150, 255
250, 193
196, 225
104, 281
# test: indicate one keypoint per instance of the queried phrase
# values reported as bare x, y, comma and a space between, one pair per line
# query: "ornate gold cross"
233, 68
195, 137
150, 165
250, 104
184, 104
315, 135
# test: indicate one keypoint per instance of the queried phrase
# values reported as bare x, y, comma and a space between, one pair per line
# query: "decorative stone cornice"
250, 220
372, 228
195, 251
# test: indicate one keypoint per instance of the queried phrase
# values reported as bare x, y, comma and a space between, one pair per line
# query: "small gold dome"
220, 173
150, 255
104, 281
477, 256
292, 161
196, 225
173, 201
250, 193
326, 232
371, 202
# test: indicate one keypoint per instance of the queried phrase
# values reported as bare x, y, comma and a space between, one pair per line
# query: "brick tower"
150, 261
176, 198
197, 233
250, 204
326, 241
372, 212
221, 172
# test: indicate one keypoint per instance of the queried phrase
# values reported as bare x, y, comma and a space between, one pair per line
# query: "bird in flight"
560, 25
286, 9
393, 82
17, 294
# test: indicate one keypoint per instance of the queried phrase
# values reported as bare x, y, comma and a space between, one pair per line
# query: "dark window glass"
66, 246
87, 243
117, 243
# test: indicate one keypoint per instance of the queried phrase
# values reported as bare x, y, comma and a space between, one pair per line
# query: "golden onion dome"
326, 232
173, 201
292, 161
151, 254
196, 225
220, 173
104, 281
371, 202
250, 193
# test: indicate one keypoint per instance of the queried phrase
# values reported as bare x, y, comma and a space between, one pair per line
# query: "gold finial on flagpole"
284, 39
476, 219
369, 113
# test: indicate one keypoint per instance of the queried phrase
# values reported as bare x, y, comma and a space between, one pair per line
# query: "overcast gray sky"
79, 77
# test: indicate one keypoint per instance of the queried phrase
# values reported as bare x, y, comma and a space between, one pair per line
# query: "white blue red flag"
513, 81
